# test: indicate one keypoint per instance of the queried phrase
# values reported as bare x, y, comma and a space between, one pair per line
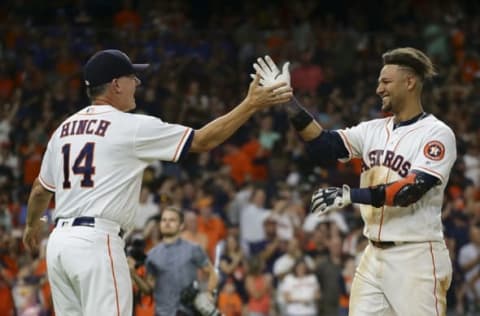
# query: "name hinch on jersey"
82, 127
389, 159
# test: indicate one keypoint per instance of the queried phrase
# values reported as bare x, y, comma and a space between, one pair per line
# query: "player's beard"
387, 105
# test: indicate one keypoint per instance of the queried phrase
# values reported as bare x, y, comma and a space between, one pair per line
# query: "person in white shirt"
94, 164
147, 208
301, 291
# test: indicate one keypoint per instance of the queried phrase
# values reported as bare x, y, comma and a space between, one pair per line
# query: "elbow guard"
403, 192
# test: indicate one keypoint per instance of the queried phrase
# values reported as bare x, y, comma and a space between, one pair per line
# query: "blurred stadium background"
201, 54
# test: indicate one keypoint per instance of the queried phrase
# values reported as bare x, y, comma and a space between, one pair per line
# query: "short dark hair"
179, 212
93, 92
411, 58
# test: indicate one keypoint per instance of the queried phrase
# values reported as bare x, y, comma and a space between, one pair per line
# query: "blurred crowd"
246, 202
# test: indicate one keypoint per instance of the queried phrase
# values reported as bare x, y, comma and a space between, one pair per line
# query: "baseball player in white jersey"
94, 164
407, 157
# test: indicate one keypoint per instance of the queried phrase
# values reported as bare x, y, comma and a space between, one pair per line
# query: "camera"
136, 250
197, 300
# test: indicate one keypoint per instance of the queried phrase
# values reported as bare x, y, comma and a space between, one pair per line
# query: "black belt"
383, 244
87, 221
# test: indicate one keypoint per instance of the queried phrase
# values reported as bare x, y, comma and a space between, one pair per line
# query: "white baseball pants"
411, 279
88, 270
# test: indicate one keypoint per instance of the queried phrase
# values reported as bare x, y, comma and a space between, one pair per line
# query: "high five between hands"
323, 200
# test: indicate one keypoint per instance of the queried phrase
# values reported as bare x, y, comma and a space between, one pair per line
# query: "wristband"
293, 107
301, 120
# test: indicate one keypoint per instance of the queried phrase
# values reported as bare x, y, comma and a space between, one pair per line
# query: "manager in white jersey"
94, 164
407, 157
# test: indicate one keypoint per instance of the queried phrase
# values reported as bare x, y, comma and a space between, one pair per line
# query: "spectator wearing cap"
210, 224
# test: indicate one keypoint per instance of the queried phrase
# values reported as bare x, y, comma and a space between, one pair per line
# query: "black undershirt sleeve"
327, 148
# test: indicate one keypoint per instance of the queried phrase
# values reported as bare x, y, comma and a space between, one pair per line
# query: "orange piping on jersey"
432, 171
181, 143
346, 142
386, 178
392, 189
113, 274
45, 184
386, 128
435, 279
388, 172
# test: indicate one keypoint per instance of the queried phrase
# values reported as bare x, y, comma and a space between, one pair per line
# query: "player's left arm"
430, 168
403, 192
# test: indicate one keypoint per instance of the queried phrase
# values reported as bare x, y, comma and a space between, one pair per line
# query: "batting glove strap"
329, 199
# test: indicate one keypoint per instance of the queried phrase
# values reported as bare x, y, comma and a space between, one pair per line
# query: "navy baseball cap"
109, 64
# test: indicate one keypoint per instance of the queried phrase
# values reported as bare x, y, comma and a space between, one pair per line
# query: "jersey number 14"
83, 165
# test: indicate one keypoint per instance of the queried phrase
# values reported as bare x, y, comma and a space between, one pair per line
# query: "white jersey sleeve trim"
348, 146
47, 186
181, 144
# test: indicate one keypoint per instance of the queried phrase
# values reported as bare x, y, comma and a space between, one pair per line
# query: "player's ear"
115, 85
412, 82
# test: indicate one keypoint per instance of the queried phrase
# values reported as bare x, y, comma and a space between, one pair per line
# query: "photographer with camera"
171, 272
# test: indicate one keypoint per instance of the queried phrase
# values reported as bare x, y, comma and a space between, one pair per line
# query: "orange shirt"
6, 87
214, 228
127, 19
67, 67
254, 150
307, 78
230, 304
240, 166
260, 304
146, 306
6, 299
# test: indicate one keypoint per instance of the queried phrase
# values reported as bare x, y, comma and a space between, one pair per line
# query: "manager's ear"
115, 86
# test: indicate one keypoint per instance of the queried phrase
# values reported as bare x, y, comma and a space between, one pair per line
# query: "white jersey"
95, 159
427, 145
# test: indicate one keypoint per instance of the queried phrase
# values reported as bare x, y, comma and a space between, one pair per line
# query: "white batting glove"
329, 199
269, 72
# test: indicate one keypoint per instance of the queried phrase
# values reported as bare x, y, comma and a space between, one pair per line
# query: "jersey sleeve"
49, 165
156, 139
353, 138
437, 153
